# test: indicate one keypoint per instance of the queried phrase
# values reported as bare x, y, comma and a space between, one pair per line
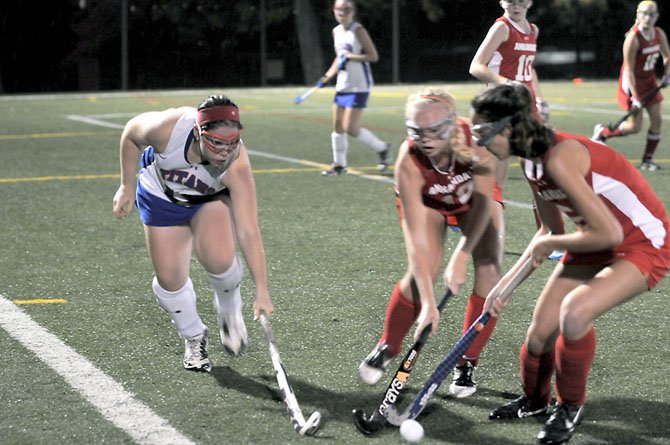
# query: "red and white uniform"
515, 58
447, 191
644, 70
629, 197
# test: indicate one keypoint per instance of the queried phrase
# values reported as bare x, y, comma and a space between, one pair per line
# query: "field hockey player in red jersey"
622, 249
442, 179
645, 44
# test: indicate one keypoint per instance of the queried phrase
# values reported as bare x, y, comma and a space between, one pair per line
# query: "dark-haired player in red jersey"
622, 249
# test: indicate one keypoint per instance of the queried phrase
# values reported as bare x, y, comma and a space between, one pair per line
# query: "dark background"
75, 45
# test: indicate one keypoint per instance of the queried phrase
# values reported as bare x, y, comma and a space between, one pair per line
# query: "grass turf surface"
334, 250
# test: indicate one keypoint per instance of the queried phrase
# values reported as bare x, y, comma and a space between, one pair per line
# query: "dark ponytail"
499, 101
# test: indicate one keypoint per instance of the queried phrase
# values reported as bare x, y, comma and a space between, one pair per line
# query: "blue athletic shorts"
351, 100
155, 211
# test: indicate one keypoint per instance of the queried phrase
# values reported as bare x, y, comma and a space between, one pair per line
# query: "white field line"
109, 397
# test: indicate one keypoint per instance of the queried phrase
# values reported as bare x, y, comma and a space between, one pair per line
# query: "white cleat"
195, 353
372, 368
232, 331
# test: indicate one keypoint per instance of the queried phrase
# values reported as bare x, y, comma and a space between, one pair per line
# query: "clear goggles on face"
435, 131
521, 3
650, 14
218, 143
343, 9
485, 132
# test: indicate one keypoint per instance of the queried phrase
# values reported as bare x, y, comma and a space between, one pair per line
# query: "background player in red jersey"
442, 178
642, 47
507, 54
622, 249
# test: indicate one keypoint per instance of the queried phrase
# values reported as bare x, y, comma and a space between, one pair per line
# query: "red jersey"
447, 191
644, 69
624, 191
515, 58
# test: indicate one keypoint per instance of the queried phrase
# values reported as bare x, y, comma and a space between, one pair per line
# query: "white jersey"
356, 77
170, 176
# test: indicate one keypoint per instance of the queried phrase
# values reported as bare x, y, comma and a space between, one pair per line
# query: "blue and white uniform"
170, 189
357, 76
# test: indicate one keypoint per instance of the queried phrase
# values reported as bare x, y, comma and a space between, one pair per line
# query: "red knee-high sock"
472, 312
400, 315
536, 372
573, 363
652, 142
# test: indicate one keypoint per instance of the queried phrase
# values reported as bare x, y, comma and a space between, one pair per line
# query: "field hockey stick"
447, 365
298, 100
319, 84
634, 111
370, 425
302, 427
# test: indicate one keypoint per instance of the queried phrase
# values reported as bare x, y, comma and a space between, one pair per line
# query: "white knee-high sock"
181, 306
368, 138
227, 287
340, 144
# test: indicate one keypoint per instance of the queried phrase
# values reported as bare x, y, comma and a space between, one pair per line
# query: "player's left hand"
263, 303
541, 248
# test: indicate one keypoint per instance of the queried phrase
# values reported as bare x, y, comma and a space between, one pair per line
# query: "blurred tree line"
70, 45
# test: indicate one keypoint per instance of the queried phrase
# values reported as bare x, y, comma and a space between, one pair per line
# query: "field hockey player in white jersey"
195, 191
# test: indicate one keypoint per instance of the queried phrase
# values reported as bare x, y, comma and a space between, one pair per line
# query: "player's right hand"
123, 201
429, 316
635, 103
342, 64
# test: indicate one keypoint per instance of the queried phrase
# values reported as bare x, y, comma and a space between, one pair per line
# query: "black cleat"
561, 424
372, 368
335, 170
384, 158
464, 383
517, 409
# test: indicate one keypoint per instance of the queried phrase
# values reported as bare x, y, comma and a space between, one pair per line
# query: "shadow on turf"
641, 421
334, 406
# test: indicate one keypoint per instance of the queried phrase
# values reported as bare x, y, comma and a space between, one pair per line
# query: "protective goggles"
517, 2
485, 132
343, 10
650, 14
220, 144
436, 131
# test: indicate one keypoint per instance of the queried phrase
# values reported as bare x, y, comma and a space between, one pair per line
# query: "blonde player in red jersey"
643, 46
442, 179
622, 249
